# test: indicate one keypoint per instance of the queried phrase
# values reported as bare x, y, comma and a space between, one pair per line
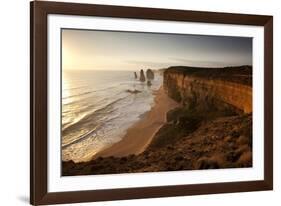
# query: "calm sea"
97, 109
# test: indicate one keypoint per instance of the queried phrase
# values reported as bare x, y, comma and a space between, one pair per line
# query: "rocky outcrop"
225, 142
135, 74
217, 88
135, 91
142, 77
211, 130
149, 74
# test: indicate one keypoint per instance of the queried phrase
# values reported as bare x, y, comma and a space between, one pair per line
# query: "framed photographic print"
131, 102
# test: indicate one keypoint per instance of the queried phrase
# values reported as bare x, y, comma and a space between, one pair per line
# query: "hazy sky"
105, 50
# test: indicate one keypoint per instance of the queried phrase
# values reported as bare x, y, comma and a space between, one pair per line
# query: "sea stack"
149, 74
142, 77
136, 76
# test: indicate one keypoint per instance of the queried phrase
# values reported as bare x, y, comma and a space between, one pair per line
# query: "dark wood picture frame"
38, 102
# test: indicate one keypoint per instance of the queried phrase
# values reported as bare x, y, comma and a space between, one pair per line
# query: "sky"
112, 50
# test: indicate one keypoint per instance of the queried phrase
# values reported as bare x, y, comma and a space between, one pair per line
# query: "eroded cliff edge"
212, 129
211, 88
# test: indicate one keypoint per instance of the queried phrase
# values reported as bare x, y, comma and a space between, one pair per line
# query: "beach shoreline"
139, 136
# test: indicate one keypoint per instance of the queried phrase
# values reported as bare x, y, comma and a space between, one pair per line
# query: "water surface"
97, 109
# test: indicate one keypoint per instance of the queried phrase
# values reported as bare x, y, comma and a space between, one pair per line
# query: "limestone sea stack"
149, 74
142, 77
136, 76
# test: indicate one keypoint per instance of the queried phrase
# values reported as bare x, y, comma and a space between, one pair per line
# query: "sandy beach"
140, 135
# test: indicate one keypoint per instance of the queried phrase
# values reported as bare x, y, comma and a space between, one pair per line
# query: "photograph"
134, 102
130, 102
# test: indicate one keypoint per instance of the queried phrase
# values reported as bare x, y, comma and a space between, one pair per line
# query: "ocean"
97, 109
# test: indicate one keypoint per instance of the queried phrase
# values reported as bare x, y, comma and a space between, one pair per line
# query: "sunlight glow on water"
97, 109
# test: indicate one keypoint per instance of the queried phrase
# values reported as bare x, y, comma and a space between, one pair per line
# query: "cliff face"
217, 88
211, 130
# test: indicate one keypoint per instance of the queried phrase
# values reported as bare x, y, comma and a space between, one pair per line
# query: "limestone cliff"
211, 87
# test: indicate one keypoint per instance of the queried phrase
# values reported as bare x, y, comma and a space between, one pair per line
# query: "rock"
123, 160
232, 156
173, 148
179, 158
142, 77
100, 158
235, 134
207, 163
133, 91
243, 140
136, 76
245, 159
242, 149
149, 74
228, 139
149, 83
